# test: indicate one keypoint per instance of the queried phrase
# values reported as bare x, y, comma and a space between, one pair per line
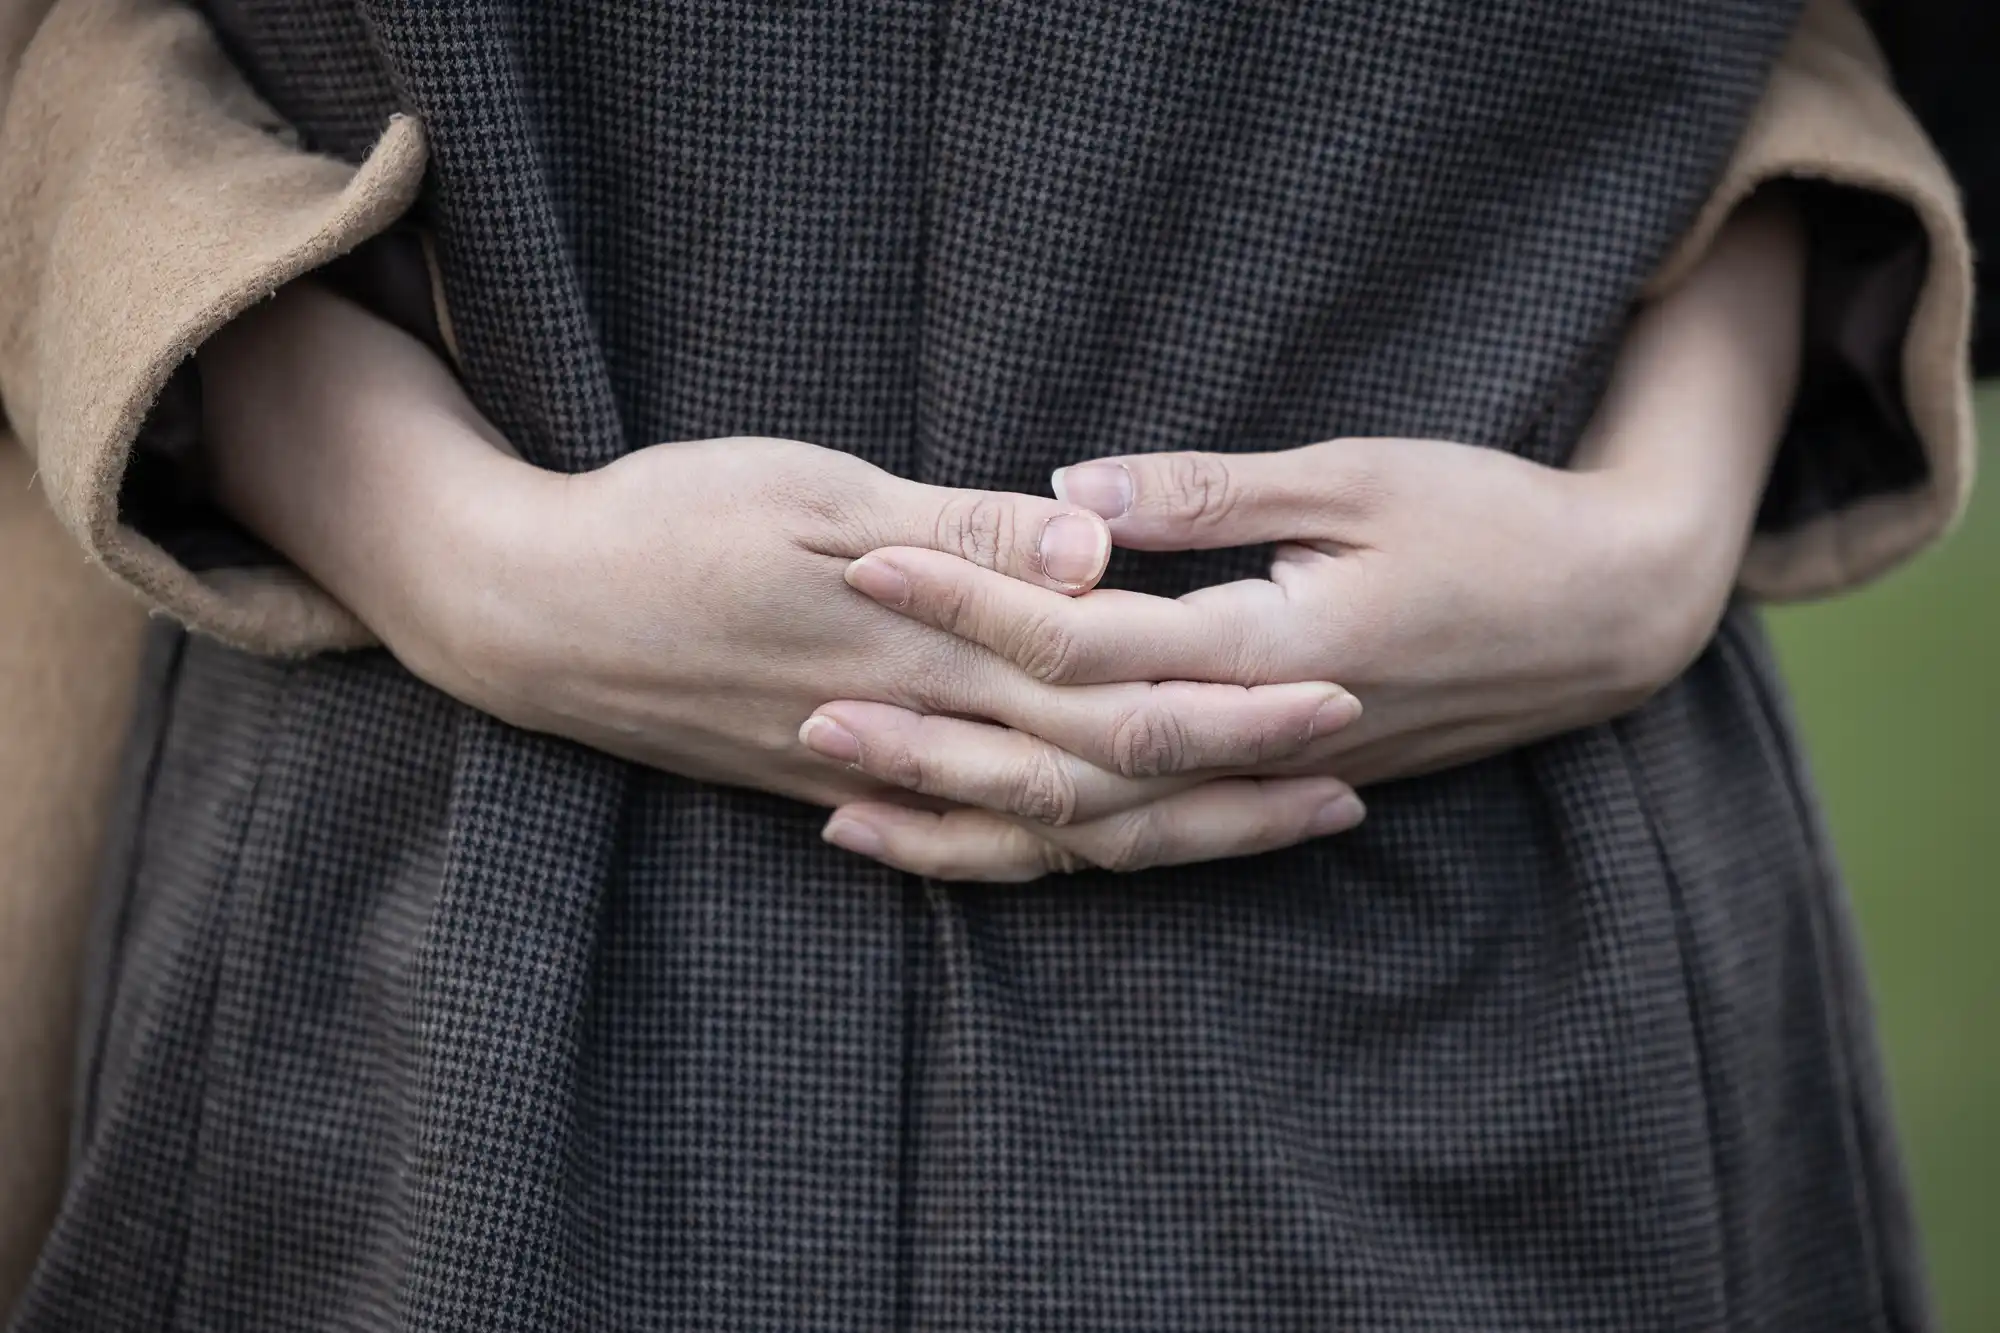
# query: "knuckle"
901, 765
1198, 487
826, 512
1248, 659
1058, 860
1367, 478
978, 528
1046, 650
953, 604
1148, 742
1131, 844
824, 508
1270, 743
937, 678
1043, 790
951, 675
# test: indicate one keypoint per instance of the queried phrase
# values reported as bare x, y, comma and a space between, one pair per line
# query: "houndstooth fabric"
409, 1020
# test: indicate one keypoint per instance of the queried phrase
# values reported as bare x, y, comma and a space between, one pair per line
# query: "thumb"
1190, 501
1045, 542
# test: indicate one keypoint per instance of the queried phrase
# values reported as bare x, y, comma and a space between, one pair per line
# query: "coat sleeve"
1878, 456
147, 197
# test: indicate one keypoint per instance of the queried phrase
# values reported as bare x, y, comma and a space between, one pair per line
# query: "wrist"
1682, 446
349, 448
444, 579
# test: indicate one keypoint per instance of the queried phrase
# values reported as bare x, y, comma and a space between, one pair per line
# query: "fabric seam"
193, 1176
1698, 1026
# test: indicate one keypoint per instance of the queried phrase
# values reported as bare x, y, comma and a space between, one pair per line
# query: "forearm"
322, 428
1698, 403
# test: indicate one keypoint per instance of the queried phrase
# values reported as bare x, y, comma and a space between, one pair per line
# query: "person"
561, 881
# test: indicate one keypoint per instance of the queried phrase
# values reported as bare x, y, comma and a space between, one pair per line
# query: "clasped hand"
702, 655
683, 606
973, 707
1470, 600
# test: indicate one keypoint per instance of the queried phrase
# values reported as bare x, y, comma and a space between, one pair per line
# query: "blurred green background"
1898, 690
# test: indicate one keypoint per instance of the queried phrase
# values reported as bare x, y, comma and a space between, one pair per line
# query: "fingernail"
853, 836
1074, 548
876, 577
1337, 712
1337, 815
822, 735
1105, 489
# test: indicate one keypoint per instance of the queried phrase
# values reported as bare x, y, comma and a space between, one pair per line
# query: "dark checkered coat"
405, 1019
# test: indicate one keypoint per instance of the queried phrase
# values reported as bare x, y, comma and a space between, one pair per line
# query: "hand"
1473, 600
682, 607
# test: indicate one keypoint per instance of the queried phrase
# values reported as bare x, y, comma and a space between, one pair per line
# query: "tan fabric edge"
121, 295
1831, 114
69, 652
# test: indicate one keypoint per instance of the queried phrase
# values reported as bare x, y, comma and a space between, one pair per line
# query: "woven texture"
409, 1020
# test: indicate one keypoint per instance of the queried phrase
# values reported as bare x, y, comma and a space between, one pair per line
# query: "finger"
1234, 633
1199, 501
975, 764
1224, 818
1227, 818
955, 845
1039, 541
1146, 730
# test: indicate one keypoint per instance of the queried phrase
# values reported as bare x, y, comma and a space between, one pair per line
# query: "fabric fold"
1889, 330
118, 101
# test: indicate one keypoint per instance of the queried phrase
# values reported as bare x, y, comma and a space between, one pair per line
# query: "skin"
1472, 601
935, 664
684, 606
